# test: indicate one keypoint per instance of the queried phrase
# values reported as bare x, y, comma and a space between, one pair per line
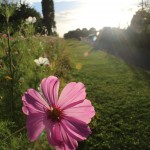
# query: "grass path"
121, 96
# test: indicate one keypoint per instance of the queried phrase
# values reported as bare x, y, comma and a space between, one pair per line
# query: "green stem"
10, 66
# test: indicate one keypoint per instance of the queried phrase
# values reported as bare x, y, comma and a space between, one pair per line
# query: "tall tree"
48, 15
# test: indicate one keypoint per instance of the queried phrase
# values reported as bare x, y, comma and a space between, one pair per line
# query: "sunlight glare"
100, 13
97, 14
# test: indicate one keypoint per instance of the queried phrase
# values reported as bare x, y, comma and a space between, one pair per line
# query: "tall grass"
26, 74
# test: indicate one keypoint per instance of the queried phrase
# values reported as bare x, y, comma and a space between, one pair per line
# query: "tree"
140, 21
85, 32
92, 30
21, 12
48, 15
145, 5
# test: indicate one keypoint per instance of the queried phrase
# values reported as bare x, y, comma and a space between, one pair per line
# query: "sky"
73, 14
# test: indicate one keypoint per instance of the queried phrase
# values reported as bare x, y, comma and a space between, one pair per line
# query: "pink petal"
72, 93
33, 102
58, 137
53, 134
35, 125
50, 87
69, 142
25, 110
77, 129
83, 111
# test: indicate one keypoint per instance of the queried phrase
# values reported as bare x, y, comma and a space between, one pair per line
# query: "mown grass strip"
121, 95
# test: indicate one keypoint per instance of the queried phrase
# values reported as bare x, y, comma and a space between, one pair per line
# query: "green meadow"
121, 96
119, 92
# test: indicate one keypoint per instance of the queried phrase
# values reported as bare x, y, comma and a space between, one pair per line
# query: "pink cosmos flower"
65, 119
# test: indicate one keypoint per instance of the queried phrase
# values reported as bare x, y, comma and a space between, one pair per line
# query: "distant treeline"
110, 38
78, 33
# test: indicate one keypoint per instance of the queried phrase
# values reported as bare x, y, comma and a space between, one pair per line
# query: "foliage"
17, 16
48, 15
112, 38
145, 5
139, 29
140, 22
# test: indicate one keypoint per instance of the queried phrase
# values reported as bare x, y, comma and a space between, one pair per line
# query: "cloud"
66, 5
66, 16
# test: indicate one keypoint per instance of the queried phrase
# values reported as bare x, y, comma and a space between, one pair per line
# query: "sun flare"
98, 13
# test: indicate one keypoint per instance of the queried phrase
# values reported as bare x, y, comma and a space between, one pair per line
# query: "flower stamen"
54, 114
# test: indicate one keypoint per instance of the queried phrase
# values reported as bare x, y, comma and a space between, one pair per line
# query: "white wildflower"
42, 61
30, 20
33, 19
